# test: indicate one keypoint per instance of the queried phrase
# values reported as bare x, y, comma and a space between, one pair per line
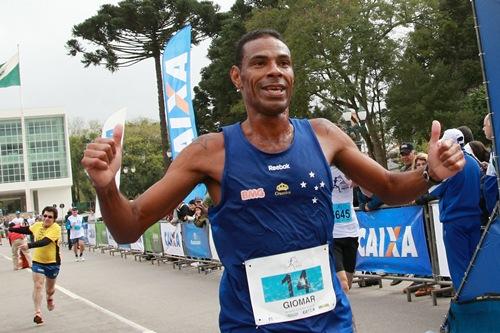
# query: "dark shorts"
49, 270
345, 251
75, 240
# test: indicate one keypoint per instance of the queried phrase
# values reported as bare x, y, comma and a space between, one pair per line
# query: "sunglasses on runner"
48, 216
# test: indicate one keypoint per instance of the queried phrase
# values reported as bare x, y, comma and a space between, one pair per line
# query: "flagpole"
29, 206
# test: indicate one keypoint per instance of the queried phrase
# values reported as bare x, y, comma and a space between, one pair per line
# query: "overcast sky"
51, 78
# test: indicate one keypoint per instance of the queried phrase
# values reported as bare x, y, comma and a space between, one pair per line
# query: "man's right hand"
103, 158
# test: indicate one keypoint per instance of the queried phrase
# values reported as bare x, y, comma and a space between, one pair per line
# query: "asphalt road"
111, 294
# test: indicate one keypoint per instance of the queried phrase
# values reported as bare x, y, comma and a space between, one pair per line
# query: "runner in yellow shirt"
46, 259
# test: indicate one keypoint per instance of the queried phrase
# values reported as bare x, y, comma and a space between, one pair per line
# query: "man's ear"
234, 74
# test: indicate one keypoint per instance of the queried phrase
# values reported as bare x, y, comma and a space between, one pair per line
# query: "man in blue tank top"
269, 178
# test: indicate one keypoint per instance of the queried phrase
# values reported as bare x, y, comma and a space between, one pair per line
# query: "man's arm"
445, 160
21, 230
201, 161
40, 243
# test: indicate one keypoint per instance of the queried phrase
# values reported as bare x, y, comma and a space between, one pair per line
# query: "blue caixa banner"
196, 242
393, 240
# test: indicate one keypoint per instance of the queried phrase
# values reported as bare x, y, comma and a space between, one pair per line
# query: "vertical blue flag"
177, 90
176, 66
487, 12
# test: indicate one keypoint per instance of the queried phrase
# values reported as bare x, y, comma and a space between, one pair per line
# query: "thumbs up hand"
445, 158
103, 157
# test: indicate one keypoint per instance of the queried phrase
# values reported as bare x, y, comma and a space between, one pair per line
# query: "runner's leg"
15, 253
50, 289
38, 280
81, 244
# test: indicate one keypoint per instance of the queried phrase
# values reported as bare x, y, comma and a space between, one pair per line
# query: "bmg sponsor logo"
250, 194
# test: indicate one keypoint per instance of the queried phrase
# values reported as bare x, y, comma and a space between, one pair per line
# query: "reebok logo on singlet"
278, 167
254, 193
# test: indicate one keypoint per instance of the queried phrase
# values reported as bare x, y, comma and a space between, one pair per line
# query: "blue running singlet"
273, 204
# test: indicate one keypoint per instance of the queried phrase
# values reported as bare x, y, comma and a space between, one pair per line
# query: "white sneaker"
77, 259
82, 259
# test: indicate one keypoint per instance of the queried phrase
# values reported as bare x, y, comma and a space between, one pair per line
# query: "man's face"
488, 131
48, 219
74, 212
407, 157
266, 76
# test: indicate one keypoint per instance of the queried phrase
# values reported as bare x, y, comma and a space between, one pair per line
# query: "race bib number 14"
291, 285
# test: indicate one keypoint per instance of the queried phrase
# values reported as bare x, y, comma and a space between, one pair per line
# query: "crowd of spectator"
466, 200
195, 211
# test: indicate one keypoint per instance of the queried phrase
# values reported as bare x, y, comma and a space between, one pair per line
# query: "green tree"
439, 70
216, 101
142, 157
81, 134
344, 55
135, 30
474, 108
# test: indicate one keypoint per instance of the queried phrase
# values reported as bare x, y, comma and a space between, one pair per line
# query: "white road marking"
98, 307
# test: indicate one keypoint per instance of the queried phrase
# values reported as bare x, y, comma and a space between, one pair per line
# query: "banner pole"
25, 149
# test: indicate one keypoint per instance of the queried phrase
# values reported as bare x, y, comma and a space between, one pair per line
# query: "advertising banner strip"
441, 250
91, 235
196, 242
138, 245
176, 67
172, 239
393, 241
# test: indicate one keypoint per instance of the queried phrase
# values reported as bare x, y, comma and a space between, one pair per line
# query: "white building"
35, 164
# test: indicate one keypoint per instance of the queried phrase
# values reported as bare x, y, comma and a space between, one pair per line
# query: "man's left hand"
445, 157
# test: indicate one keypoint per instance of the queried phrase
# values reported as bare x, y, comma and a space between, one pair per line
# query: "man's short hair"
253, 35
192, 202
466, 131
52, 210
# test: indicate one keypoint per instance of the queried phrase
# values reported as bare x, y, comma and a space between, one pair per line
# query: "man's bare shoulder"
210, 142
331, 138
324, 127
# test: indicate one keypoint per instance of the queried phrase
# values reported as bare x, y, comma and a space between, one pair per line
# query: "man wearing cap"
407, 154
77, 234
459, 211
18, 220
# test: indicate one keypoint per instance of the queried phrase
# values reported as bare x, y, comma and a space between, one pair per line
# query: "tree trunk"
161, 105
374, 142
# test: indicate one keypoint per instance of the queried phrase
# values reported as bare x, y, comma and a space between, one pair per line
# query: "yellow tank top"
48, 254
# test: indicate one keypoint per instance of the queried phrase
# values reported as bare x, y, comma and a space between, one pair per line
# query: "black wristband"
428, 179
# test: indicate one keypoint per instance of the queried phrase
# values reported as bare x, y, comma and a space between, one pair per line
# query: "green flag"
9, 73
